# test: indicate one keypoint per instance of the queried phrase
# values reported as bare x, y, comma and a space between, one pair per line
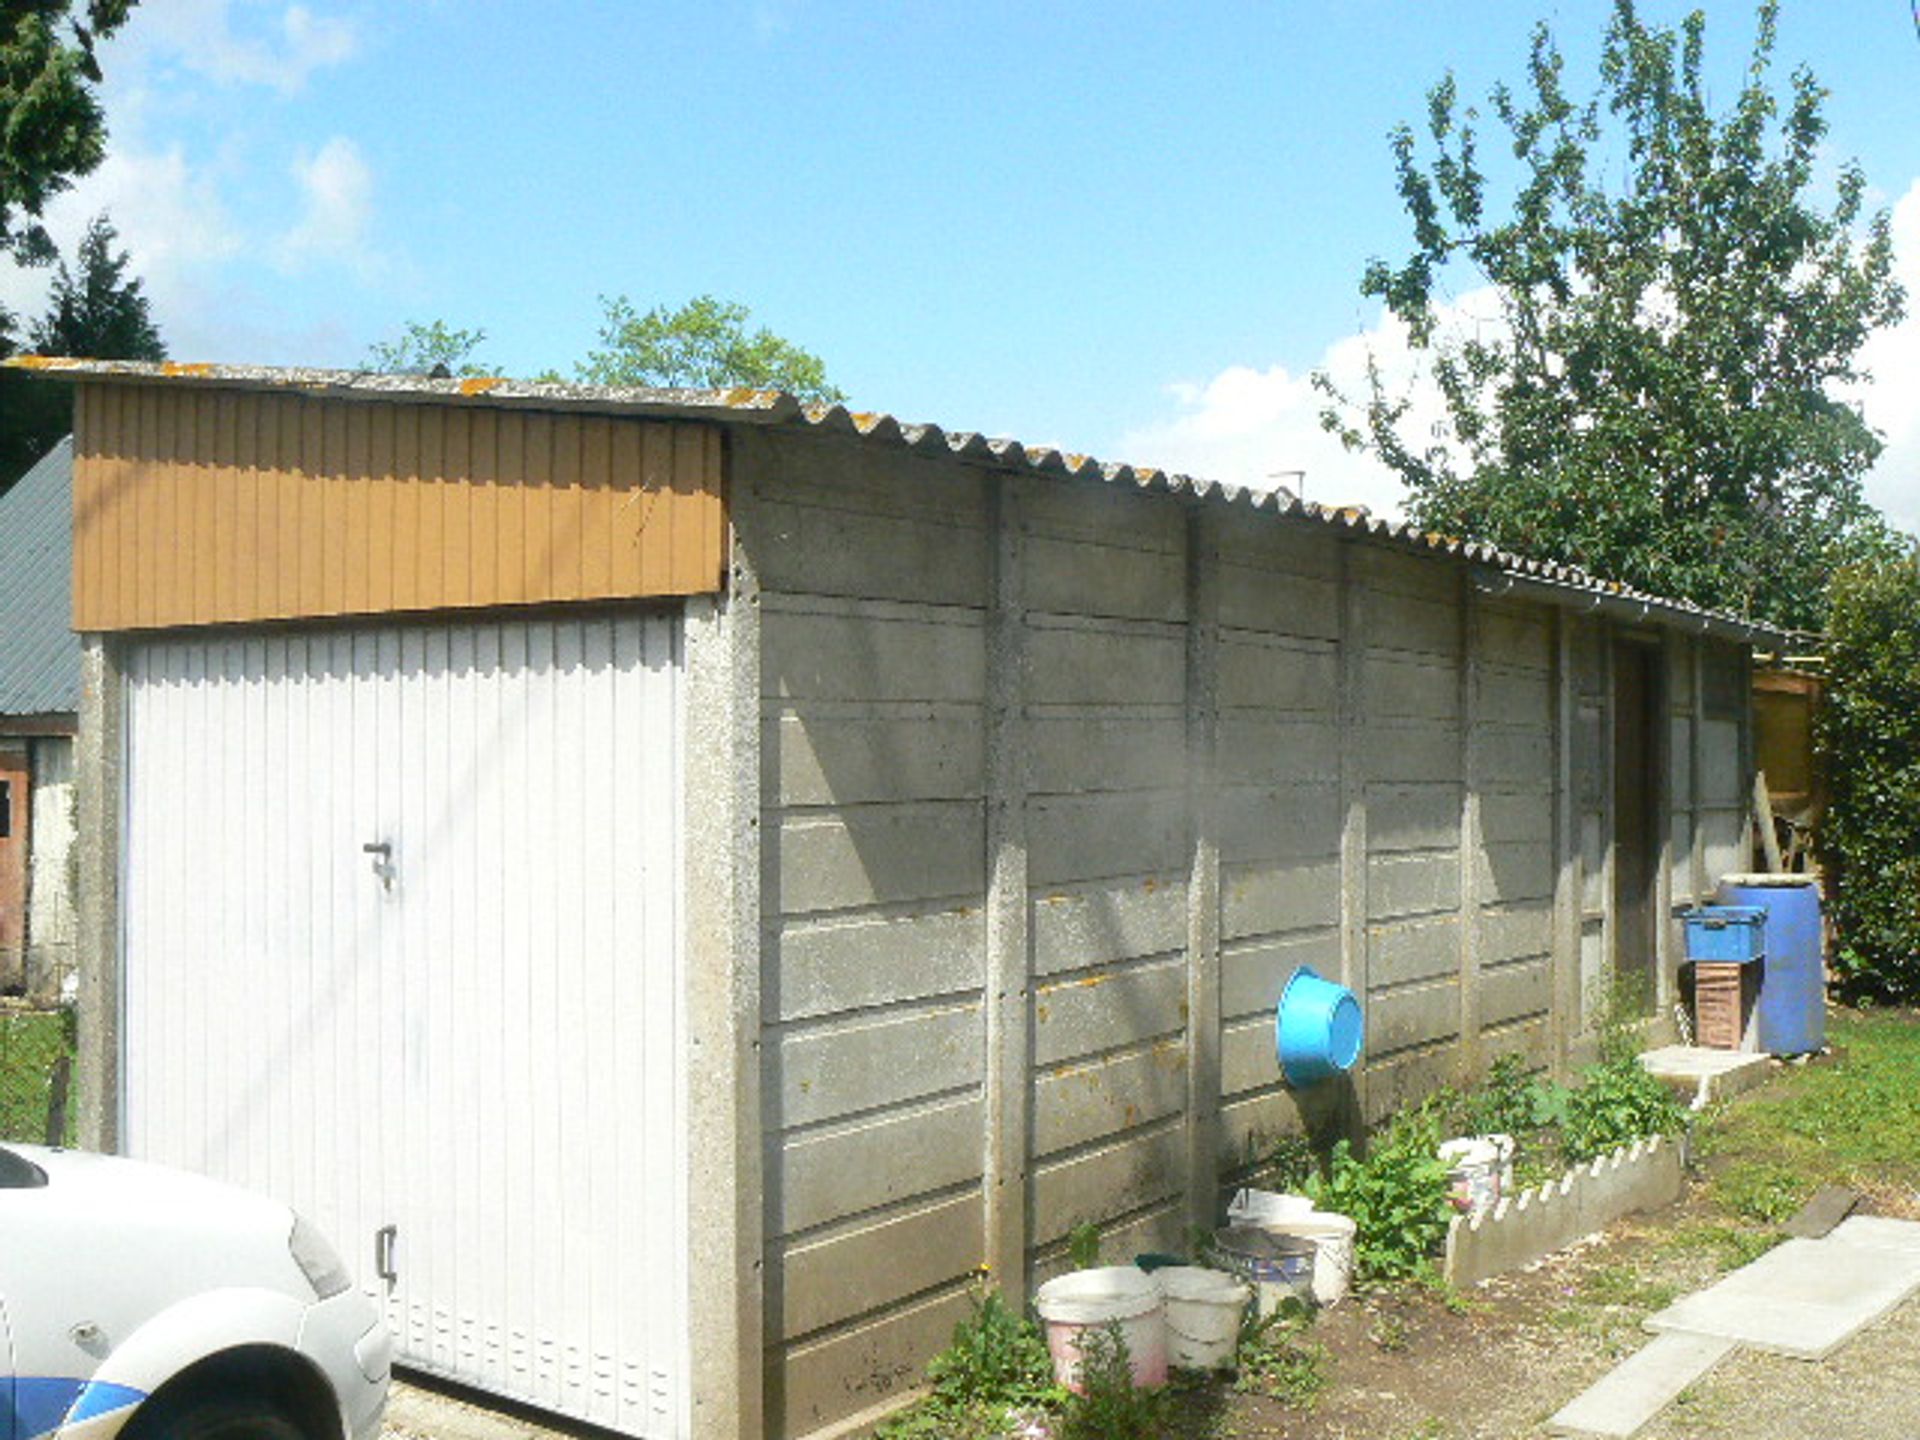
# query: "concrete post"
1203, 877
1009, 984
726, 1216
1569, 881
98, 785
1354, 949
1471, 1007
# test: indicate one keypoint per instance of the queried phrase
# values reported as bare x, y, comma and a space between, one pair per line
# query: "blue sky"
1129, 229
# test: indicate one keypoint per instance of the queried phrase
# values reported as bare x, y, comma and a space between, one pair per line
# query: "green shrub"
1108, 1406
1275, 1360
1868, 734
1617, 1102
1396, 1196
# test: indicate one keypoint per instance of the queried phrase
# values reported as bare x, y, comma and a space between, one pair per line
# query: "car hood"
159, 1220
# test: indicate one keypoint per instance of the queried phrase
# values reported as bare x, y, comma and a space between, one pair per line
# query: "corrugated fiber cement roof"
39, 653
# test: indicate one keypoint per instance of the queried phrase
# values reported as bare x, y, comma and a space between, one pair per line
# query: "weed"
1731, 1246
1083, 1245
1617, 1102
1396, 1196
1108, 1406
1428, 1429
996, 1364
1627, 1288
1389, 1332
1275, 1360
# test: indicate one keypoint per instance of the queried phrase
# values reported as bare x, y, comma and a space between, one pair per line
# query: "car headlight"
317, 1260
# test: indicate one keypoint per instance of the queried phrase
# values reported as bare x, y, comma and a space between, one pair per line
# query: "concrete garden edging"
1519, 1229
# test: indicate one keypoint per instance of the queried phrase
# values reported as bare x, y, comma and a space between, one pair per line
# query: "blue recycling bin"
1790, 1016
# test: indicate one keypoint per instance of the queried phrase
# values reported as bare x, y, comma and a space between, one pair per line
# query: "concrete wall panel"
1300, 604
1420, 1015
1093, 837
1411, 687
1251, 1125
818, 967
1510, 873
1407, 885
1248, 1057
1515, 933
1256, 749
879, 654
1075, 577
823, 1175
1077, 1104
1514, 758
1410, 753
1107, 1009
878, 854
1069, 753
1081, 927
1265, 675
842, 550
1404, 622
1513, 696
1104, 664
848, 1371
826, 758
1253, 973
1275, 898
829, 1280
877, 1060
1417, 950
1510, 991
1721, 782
1099, 1184
1412, 817
1296, 822
1523, 816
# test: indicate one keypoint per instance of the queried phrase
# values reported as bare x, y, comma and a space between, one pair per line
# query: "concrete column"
1009, 984
1666, 960
726, 1217
1352, 698
98, 782
1469, 1051
1203, 877
1569, 881
1698, 880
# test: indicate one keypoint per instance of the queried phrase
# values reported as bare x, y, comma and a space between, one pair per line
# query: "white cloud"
336, 213
217, 39
1255, 427
1892, 402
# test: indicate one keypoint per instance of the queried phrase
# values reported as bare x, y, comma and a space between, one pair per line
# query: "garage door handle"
384, 1240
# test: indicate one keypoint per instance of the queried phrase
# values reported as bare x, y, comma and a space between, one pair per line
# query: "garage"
387, 891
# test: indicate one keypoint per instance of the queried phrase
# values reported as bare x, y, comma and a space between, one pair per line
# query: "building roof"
1496, 571
39, 653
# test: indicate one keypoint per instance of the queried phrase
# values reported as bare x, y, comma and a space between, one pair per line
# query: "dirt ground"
1498, 1364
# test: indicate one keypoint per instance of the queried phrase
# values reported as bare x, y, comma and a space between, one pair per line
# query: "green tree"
704, 344
51, 130
1662, 400
424, 347
100, 312
1869, 739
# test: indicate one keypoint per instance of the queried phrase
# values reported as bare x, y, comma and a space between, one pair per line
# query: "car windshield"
19, 1173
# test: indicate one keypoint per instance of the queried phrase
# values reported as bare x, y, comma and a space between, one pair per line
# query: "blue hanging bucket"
1317, 1030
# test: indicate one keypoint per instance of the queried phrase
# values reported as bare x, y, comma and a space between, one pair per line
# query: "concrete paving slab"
1879, 1232
1803, 1299
1641, 1386
1829, 1206
1695, 1070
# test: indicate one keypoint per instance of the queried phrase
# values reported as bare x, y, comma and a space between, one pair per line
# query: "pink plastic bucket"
1086, 1300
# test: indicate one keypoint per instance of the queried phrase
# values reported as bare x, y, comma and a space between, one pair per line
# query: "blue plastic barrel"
1791, 1013
1317, 1028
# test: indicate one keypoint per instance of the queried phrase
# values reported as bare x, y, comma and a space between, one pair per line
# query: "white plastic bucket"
1332, 1237
1473, 1173
1093, 1299
1203, 1315
1262, 1207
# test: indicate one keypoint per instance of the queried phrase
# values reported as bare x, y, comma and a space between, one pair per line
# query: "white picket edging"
1521, 1228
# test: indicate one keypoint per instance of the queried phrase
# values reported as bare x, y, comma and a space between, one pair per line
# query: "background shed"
712, 874
39, 703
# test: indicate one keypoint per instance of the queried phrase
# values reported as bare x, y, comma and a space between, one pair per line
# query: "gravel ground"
1867, 1390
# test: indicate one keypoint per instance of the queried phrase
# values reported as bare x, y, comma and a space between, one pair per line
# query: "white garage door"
402, 947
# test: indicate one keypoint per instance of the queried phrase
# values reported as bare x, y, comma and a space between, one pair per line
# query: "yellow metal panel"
198, 507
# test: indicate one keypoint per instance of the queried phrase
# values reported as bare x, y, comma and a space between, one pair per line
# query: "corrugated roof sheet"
1545, 580
39, 653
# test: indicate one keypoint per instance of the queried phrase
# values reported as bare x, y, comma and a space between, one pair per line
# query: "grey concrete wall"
1059, 786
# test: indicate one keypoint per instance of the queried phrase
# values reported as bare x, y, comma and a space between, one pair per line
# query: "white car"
149, 1304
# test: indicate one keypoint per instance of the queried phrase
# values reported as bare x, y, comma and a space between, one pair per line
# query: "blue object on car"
1726, 934
1790, 1016
1317, 1029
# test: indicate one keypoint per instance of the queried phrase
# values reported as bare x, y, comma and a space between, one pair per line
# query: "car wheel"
219, 1418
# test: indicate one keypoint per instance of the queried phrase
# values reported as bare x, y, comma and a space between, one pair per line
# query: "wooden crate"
1722, 1000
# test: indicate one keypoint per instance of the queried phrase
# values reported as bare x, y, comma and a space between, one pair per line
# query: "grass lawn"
30, 1043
